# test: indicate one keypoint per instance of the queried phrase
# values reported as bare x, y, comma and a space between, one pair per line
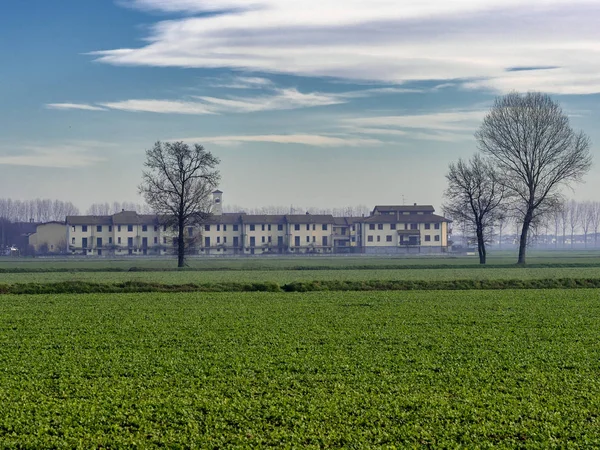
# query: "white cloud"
276, 99
69, 155
242, 83
386, 40
67, 106
448, 126
314, 140
160, 106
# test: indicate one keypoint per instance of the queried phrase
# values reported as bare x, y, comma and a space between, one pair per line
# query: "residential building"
393, 229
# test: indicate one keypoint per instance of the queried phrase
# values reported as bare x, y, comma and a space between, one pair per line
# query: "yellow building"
392, 229
49, 237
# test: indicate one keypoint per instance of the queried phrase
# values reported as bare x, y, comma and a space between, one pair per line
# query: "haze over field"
319, 104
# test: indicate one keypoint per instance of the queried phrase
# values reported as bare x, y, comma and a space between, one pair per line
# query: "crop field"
288, 276
589, 257
444, 369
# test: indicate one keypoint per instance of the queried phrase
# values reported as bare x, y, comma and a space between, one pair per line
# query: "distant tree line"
38, 210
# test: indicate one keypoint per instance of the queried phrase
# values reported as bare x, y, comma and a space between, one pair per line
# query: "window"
307, 227
155, 228
413, 226
224, 227
130, 228
371, 226
324, 227
270, 240
378, 238
252, 227
314, 239
297, 227
263, 239
252, 241
388, 238
144, 228
99, 228
369, 238
84, 228
218, 227
427, 226
130, 242
110, 228
207, 241
437, 237
119, 228
206, 227
380, 226
279, 227
437, 226
427, 238
314, 227
307, 238
73, 228
155, 240
164, 229
269, 227
72, 240
98, 242
297, 241
119, 240
110, 240
324, 241
218, 239
262, 227
164, 239
235, 228
224, 239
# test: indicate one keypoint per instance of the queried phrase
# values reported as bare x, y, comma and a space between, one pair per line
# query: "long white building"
393, 229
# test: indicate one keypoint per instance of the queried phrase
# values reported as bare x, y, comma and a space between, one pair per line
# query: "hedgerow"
82, 287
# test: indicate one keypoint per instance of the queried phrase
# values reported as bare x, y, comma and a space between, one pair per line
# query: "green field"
330, 369
288, 276
589, 257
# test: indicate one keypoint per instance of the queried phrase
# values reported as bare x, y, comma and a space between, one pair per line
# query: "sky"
324, 103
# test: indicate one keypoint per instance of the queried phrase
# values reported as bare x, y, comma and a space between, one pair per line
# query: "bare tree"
530, 139
573, 215
177, 185
585, 220
557, 214
474, 196
595, 220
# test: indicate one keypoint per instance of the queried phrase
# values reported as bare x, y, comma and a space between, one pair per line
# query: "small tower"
217, 206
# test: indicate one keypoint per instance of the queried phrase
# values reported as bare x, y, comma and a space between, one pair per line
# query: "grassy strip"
293, 268
82, 287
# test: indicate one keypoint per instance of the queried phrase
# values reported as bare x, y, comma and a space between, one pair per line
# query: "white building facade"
394, 229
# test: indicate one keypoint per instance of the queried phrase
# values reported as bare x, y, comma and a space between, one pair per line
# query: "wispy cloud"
447, 126
67, 155
160, 106
315, 140
382, 40
66, 106
239, 82
273, 100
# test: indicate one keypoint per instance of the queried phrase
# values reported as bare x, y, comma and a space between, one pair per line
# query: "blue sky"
314, 103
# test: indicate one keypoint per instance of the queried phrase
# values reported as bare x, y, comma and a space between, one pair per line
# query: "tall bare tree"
474, 196
532, 143
585, 220
177, 184
595, 220
573, 214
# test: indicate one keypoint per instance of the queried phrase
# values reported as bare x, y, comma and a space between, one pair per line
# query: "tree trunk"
523, 240
180, 245
481, 246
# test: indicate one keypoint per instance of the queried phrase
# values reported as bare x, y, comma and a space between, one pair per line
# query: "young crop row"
82, 287
478, 369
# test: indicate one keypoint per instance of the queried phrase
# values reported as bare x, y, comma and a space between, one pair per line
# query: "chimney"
415, 204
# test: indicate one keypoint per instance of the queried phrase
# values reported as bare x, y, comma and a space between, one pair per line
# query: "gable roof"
406, 218
382, 209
